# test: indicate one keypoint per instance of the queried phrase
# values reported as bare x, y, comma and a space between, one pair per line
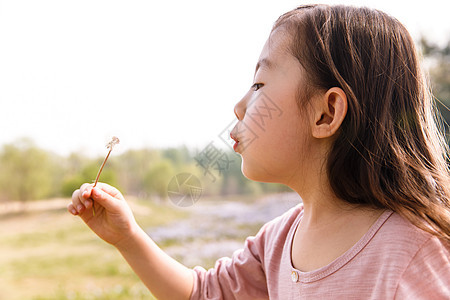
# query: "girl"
357, 141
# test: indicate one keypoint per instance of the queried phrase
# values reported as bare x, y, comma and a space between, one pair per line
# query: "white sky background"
154, 73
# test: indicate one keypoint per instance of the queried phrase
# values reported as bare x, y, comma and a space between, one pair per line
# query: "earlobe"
330, 112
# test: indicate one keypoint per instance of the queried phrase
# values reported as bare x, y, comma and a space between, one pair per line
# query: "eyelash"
257, 86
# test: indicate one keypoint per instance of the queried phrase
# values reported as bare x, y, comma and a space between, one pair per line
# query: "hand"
113, 221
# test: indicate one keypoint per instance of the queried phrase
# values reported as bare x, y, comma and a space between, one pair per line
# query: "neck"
322, 209
328, 228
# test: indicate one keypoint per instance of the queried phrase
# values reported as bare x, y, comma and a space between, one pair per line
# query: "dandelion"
114, 141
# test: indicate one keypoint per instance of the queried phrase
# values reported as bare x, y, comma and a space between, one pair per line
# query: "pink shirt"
393, 260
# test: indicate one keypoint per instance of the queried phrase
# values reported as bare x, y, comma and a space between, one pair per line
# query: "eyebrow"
265, 62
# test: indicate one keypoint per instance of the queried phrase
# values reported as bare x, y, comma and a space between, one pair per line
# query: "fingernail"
73, 211
80, 208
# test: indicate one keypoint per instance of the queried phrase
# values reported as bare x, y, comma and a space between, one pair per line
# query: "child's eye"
257, 86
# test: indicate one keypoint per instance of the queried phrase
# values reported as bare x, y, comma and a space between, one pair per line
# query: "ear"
330, 112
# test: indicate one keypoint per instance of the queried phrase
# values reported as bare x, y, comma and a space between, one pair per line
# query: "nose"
239, 109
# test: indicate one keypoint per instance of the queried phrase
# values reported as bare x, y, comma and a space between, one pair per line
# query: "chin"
257, 173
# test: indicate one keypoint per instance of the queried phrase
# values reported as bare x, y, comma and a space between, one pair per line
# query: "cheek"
270, 166
279, 134
275, 154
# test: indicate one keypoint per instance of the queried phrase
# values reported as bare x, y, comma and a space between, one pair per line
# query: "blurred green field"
49, 254
46, 253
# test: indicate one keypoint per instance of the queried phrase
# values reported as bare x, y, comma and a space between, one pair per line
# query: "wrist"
131, 239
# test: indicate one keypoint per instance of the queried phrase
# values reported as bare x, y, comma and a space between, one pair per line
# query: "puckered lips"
236, 140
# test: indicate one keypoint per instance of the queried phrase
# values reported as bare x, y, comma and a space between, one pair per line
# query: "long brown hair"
389, 152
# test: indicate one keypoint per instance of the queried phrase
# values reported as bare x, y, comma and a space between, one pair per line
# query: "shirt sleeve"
239, 277
428, 274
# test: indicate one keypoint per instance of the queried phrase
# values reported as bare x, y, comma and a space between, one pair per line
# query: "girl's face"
272, 133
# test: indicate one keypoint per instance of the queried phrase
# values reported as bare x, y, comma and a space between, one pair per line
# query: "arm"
114, 223
163, 276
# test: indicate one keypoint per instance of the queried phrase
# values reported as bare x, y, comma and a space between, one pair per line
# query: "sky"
154, 73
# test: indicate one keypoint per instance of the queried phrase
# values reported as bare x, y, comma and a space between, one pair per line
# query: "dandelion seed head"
114, 141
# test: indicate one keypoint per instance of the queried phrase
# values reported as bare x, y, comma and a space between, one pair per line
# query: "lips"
236, 141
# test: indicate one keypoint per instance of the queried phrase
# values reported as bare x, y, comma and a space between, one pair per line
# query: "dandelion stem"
110, 146
101, 168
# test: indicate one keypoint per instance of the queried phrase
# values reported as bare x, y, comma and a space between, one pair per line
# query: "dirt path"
12, 207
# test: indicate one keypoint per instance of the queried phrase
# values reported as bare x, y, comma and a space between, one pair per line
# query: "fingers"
110, 190
105, 199
80, 200
85, 191
72, 209
106, 195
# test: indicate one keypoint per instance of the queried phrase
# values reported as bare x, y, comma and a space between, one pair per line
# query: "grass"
53, 255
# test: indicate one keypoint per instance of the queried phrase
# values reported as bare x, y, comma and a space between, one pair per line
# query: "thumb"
104, 199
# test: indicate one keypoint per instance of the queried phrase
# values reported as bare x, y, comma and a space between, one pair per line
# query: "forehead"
276, 45
276, 52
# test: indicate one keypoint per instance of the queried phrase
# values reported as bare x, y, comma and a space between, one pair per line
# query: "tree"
26, 172
83, 170
132, 167
158, 177
438, 60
